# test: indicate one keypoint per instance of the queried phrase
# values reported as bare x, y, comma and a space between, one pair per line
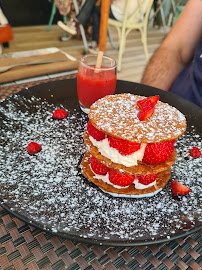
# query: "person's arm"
177, 49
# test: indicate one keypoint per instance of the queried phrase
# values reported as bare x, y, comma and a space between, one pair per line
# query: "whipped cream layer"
105, 178
114, 155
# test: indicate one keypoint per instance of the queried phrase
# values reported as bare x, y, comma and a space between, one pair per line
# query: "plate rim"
100, 242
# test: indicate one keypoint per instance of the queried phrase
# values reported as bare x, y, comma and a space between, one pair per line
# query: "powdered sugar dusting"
118, 114
48, 188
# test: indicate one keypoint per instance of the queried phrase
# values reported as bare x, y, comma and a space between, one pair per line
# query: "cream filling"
141, 186
105, 178
114, 155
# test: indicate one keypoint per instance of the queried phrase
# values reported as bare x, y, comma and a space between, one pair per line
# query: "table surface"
25, 247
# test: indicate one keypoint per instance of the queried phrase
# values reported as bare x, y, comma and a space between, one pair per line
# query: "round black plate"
48, 191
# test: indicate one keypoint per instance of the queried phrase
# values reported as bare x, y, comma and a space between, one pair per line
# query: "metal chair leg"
53, 11
64, 20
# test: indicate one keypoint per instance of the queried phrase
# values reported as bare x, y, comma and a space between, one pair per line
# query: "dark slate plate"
48, 191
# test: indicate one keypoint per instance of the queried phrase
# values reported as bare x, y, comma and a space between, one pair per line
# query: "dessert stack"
130, 143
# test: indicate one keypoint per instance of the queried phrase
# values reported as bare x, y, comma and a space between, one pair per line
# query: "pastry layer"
117, 116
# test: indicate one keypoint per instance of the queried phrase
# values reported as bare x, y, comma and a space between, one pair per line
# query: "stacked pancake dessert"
130, 144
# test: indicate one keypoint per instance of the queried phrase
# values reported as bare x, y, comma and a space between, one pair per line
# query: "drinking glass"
94, 83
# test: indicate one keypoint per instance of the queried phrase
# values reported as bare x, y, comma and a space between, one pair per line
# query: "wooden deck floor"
133, 63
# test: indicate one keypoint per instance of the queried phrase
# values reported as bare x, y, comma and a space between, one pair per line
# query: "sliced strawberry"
60, 114
145, 113
98, 167
179, 189
158, 152
153, 99
33, 148
146, 179
143, 103
195, 152
120, 179
124, 147
94, 132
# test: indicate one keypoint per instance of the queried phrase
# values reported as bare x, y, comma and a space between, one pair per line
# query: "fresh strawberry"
124, 147
33, 148
60, 114
146, 102
120, 179
146, 179
145, 113
94, 132
158, 152
98, 167
179, 189
195, 152
154, 99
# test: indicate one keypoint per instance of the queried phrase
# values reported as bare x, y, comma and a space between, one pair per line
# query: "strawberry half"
154, 99
124, 147
158, 152
195, 152
120, 179
33, 148
143, 103
94, 132
179, 189
98, 167
60, 114
145, 113
146, 179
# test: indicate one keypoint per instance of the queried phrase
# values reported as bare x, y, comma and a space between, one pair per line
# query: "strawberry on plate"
120, 179
179, 189
158, 152
33, 148
60, 114
146, 179
146, 102
124, 147
98, 167
195, 152
94, 132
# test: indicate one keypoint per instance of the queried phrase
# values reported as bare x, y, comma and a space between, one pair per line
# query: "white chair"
138, 20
